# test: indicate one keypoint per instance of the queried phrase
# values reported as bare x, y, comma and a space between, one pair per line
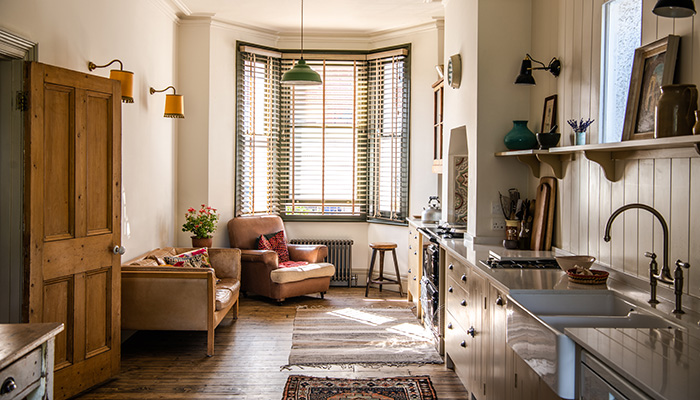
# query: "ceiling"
320, 16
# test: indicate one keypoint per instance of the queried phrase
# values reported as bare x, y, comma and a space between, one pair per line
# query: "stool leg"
381, 269
398, 275
371, 269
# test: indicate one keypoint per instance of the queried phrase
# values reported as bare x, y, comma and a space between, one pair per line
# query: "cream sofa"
158, 297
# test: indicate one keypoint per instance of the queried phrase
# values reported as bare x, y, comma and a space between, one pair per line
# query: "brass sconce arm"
92, 66
152, 90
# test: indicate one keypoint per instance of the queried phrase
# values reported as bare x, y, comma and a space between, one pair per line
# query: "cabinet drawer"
25, 373
457, 301
457, 346
456, 271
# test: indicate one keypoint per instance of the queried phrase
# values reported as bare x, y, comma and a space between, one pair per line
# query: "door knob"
471, 332
120, 250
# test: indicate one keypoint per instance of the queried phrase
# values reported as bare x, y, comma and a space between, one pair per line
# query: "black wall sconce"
525, 77
674, 8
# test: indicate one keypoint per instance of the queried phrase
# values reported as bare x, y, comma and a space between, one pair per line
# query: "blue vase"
520, 137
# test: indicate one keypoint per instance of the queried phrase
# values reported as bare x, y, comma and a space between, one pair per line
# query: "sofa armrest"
312, 253
226, 262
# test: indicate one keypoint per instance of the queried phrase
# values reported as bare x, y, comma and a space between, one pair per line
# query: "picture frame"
654, 65
549, 113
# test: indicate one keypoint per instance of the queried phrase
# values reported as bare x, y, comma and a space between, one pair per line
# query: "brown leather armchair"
260, 271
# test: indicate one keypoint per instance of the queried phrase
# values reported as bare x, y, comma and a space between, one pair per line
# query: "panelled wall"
587, 198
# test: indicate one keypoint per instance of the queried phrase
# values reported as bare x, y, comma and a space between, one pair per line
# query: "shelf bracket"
532, 162
553, 161
605, 160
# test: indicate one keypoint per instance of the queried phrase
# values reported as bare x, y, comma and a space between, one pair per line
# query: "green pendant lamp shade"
301, 74
674, 8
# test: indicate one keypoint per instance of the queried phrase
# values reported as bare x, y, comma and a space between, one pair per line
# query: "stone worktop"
664, 363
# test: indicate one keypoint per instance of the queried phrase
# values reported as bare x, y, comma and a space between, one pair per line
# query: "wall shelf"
605, 154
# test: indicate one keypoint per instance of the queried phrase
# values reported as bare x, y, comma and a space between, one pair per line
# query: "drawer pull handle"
409, 270
415, 237
415, 253
463, 303
451, 266
449, 325
463, 343
450, 289
464, 277
414, 278
410, 247
499, 300
471, 332
8, 386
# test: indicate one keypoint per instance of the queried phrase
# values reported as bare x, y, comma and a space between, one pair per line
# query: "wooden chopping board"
543, 219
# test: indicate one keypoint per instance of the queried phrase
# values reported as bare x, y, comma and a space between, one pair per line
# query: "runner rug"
309, 388
367, 336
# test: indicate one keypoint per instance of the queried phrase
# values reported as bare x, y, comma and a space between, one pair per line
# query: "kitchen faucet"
665, 274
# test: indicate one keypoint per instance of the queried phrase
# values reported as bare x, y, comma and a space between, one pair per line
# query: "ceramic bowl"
547, 140
568, 262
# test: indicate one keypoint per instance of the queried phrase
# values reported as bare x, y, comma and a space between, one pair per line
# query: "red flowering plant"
202, 222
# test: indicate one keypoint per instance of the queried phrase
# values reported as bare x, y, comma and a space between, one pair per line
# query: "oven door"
430, 303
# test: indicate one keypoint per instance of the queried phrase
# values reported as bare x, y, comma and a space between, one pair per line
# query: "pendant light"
674, 8
301, 73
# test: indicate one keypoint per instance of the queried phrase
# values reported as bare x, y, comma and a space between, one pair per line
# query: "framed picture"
549, 114
653, 66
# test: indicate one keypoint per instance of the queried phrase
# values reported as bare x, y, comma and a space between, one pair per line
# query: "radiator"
339, 254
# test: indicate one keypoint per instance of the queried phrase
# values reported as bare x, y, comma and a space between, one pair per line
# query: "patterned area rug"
368, 336
309, 388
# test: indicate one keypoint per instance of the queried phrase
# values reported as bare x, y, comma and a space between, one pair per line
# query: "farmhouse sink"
537, 320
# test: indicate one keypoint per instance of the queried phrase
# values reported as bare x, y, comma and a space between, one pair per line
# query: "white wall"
143, 35
587, 198
487, 101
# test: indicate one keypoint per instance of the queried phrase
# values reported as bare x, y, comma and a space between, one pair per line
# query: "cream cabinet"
475, 339
415, 266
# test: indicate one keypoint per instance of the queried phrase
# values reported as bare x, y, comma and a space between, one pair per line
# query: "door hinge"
22, 101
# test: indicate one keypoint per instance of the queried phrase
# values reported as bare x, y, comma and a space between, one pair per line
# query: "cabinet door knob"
463, 303
451, 266
449, 325
450, 289
409, 270
471, 331
499, 300
463, 343
8, 386
415, 278
464, 278
415, 253
410, 247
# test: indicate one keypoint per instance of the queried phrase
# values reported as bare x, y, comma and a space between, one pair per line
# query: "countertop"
665, 364
18, 339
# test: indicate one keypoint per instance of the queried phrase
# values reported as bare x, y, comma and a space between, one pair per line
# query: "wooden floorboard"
249, 355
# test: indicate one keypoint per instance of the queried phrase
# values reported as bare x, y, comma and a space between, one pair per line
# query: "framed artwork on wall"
654, 65
549, 114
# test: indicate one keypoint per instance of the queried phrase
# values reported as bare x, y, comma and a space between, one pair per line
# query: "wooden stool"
382, 247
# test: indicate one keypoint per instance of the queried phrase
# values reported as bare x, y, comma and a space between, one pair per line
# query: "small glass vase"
580, 137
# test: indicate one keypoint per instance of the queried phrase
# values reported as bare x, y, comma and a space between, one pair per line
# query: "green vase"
520, 137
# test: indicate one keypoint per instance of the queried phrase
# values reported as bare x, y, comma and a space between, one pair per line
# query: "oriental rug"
300, 387
369, 336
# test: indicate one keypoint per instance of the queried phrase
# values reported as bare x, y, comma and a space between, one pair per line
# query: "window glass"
622, 33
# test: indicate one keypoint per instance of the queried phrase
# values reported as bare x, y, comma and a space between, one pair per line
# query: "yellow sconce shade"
125, 77
174, 103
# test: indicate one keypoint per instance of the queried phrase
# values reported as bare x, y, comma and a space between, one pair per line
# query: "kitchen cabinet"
438, 107
415, 267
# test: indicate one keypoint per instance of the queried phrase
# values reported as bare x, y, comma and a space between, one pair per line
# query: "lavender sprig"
580, 126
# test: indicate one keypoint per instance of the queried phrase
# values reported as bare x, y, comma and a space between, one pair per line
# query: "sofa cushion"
227, 291
198, 258
296, 274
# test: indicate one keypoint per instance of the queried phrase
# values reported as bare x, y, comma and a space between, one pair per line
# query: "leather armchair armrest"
226, 262
312, 253
266, 257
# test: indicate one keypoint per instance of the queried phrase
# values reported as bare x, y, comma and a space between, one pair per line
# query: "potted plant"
202, 224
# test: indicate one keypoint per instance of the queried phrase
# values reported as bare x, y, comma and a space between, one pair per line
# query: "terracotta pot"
201, 242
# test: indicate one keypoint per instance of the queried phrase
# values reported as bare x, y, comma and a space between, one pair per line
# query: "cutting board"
543, 219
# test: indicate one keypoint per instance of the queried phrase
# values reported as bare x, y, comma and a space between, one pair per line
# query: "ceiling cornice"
170, 9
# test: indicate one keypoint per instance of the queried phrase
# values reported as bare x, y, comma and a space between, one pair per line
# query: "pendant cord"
302, 29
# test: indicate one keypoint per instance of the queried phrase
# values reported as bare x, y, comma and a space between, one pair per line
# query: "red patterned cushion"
276, 243
290, 264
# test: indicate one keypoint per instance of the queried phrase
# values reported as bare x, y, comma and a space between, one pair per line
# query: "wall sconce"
125, 77
525, 77
674, 8
174, 103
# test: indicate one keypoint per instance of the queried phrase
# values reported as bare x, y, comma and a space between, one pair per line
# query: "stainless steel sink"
537, 320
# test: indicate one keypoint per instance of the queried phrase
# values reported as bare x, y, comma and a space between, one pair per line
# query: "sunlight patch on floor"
361, 316
413, 331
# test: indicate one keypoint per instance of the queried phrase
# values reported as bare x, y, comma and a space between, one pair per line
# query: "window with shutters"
336, 151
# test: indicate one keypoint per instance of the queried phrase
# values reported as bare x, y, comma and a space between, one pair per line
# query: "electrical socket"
498, 224
496, 208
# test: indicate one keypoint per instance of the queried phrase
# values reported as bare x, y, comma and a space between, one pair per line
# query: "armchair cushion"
302, 272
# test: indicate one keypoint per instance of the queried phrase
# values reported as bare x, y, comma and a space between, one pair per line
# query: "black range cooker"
520, 260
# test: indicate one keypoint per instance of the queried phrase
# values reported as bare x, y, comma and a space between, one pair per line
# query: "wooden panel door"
72, 220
